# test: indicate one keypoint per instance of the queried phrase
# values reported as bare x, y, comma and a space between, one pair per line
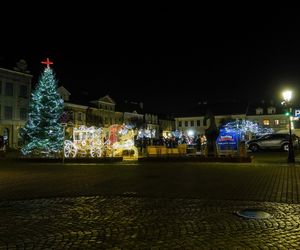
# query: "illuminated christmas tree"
43, 133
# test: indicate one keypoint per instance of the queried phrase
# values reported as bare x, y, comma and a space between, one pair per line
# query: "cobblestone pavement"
148, 206
128, 222
250, 182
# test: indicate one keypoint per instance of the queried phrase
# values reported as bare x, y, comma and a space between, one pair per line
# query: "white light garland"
91, 141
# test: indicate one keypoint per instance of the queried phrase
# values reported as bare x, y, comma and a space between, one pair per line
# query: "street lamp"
287, 96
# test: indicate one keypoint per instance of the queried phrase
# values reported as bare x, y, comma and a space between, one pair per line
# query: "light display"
177, 134
92, 142
146, 133
245, 127
87, 141
43, 133
125, 142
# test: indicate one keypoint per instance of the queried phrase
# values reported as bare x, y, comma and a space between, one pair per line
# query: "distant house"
268, 114
74, 113
265, 114
193, 122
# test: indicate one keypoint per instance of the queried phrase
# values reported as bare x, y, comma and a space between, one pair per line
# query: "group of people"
2, 143
172, 142
201, 142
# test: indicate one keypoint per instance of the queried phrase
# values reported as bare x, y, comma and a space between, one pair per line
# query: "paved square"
148, 206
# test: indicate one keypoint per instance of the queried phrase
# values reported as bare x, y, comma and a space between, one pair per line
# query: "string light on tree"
43, 133
243, 127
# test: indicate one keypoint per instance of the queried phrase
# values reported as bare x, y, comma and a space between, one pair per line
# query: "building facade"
264, 114
15, 89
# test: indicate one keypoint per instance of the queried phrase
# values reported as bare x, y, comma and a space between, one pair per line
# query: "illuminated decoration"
177, 134
245, 127
125, 141
233, 132
92, 142
47, 62
87, 141
146, 133
43, 133
167, 134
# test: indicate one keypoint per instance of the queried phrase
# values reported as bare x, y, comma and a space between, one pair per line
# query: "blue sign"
297, 112
227, 140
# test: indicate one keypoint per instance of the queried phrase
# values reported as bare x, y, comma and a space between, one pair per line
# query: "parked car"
272, 141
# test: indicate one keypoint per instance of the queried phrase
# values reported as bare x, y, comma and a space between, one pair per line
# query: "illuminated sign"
297, 112
227, 140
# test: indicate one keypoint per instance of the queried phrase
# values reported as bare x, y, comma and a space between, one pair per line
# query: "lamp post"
287, 96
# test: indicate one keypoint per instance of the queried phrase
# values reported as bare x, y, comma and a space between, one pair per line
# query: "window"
276, 122
8, 112
282, 121
271, 110
9, 89
179, 124
266, 122
259, 111
23, 91
186, 123
192, 123
65, 97
198, 123
79, 116
23, 114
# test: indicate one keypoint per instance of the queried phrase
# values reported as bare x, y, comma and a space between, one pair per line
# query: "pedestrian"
203, 142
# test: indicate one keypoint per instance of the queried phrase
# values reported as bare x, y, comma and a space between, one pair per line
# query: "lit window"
276, 122
271, 110
266, 122
282, 121
259, 111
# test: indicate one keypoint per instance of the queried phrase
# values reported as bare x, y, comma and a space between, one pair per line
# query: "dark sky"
169, 58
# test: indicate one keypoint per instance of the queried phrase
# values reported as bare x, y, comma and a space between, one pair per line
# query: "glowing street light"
287, 96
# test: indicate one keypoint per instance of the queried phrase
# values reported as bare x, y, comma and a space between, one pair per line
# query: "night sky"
168, 58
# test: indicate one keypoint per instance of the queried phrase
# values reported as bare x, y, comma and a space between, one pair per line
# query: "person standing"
203, 142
